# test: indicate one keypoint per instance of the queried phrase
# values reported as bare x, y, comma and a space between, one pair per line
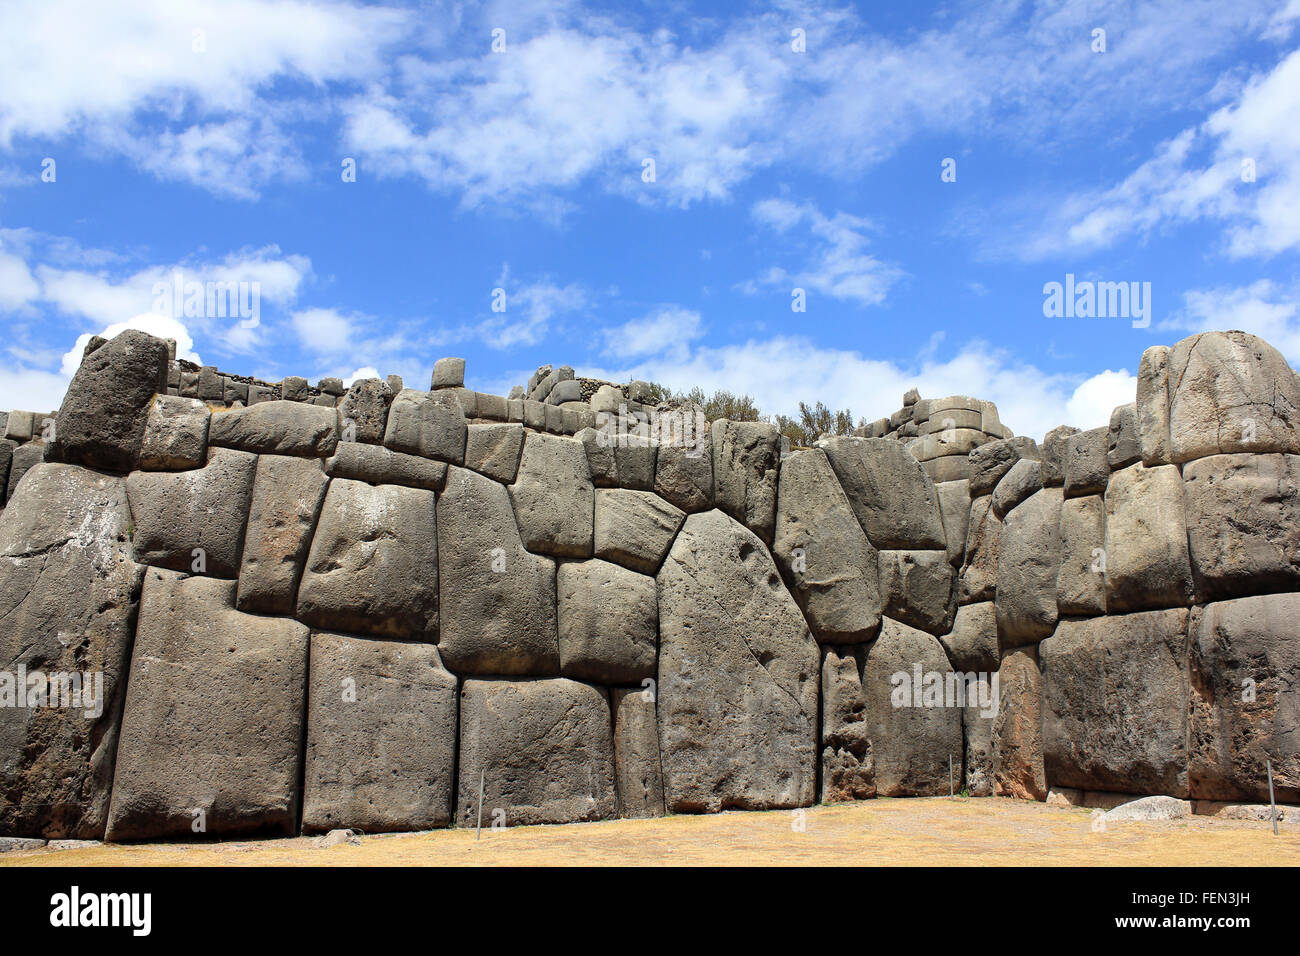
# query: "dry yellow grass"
932, 831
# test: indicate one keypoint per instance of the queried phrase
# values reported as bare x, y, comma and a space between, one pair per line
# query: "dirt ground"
926, 831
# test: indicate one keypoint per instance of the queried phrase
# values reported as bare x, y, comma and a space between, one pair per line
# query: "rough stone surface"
746, 457
1152, 407
1116, 703
277, 428
377, 465
684, 473
381, 736
1123, 447
545, 748
363, 411
68, 595
918, 588
1022, 480
1086, 468
424, 424
1231, 392
954, 509
634, 528
189, 751
1147, 563
1053, 455
972, 644
991, 461
892, 496
25, 458
553, 497
738, 671
1080, 584
494, 450
830, 566
175, 434
848, 770
373, 563
608, 622
1150, 808
637, 770
619, 461
1246, 698
102, 419
1029, 561
449, 373
179, 513
979, 571
1018, 728
1243, 524
498, 601
287, 496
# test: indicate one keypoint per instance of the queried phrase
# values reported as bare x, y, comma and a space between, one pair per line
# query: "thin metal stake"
949, 776
478, 832
1272, 806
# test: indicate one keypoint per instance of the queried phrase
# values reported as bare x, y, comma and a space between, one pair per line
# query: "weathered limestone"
498, 601
1022, 480
911, 727
746, 457
494, 449
553, 497
1085, 466
277, 428
979, 572
892, 496
373, 563
381, 736
829, 564
637, 771
1231, 392
954, 510
287, 496
363, 411
1147, 564
190, 760
1116, 703
1243, 524
1080, 584
634, 528
193, 521
376, 465
1245, 662
848, 770
68, 594
175, 434
428, 425
102, 420
1029, 561
738, 674
608, 622
917, 588
972, 644
545, 749
1018, 728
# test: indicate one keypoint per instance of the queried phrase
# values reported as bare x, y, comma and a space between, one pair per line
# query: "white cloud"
666, 331
323, 330
1264, 308
529, 309
17, 285
1093, 401
162, 326
368, 371
32, 390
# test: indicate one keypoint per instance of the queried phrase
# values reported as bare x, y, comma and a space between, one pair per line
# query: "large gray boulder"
918, 588
373, 563
738, 671
608, 622
635, 528
848, 769
175, 434
190, 760
377, 465
363, 411
1085, 465
1246, 699
68, 595
746, 458
1053, 455
498, 601
991, 461
619, 460
979, 571
1243, 523
1123, 445
428, 425
1116, 699
828, 561
684, 472
1022, 480
913, 731
1152, 407
553, 497
972, 644
194, 520
494, 449
1147, 563
1018, 728
892, 496
954, 509
1231, 392
24, 459
381, 736
287, 496
1029, 561
1080, 584
636, 753
277, 428
544, 749
102, 419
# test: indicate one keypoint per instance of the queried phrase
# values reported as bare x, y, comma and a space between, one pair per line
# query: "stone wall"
313, 607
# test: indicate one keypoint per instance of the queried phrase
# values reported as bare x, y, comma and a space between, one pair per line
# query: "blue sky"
210, 137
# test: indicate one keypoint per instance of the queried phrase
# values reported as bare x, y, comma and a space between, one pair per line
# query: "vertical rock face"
1018, 728
1147, 565
1246, 698
635, 528
1116, 703
1053, 455
102, 420
979, 572
553, 497
363, 411
498, 601
746, 456
737, 675
917, 588
892, 496
636, 753
912, 730
493, 450
1152, 407
176, 434
954, 509
1028, 565
426, 425
828, 561
287, 495
381, 736
1085, 466
684, 473
68, 595
544, 747
1080, 585
848, 769
190, 758
608, 622
373, 563
972, 645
